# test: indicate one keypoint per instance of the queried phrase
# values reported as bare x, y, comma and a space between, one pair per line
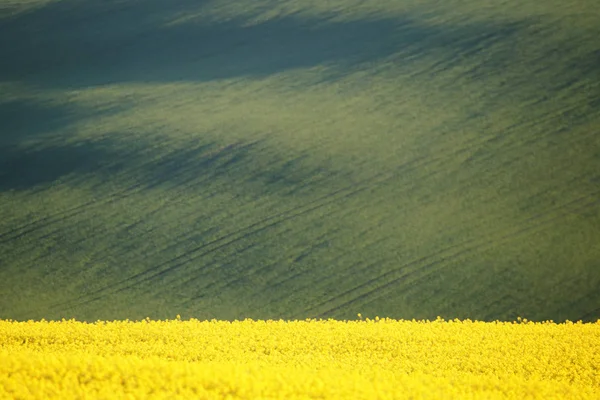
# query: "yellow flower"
365, 359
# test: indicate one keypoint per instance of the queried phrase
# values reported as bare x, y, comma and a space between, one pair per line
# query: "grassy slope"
300, 158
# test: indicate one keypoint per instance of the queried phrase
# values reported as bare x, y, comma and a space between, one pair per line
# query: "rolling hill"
299, 158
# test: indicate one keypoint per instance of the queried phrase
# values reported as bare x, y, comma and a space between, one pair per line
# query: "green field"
300, 158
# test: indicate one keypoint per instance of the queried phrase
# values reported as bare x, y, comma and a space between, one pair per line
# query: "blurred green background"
300, 158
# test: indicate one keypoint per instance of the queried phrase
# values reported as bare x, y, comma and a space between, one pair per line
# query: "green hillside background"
303, 158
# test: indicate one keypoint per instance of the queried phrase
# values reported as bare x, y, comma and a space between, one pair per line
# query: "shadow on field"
194, 165
22, 119
22, 165
26, 168
34, 146
31, 119
79, 44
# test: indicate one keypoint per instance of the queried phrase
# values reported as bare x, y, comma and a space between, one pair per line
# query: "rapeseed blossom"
326, 359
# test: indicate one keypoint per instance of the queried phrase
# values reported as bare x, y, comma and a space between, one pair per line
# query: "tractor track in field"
431, 267
225, 240
251, 229
256, 227
169, 266
58, 217
350, 268
219, 243
144, 182
41, 223
428, 265
217, 285
69, 212
575, 179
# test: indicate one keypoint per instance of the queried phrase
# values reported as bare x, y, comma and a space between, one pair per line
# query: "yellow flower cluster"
366, 359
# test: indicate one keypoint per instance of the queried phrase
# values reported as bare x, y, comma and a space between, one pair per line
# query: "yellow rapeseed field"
323, 359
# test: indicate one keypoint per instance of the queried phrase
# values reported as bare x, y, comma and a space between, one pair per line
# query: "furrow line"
474, 241
237, 235
428, 269
389, 274
120, 195
375, 180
